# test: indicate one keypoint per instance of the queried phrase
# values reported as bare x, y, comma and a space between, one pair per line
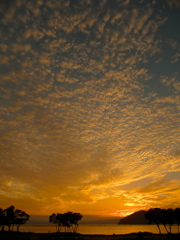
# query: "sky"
89, 105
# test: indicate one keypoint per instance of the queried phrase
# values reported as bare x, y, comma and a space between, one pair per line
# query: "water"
107, 229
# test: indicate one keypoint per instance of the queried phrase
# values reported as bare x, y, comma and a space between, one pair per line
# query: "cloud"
85, 112
173, 3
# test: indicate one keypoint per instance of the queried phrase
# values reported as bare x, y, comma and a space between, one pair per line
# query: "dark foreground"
70, 236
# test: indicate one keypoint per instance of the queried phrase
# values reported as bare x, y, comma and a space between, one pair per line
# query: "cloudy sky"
89, 105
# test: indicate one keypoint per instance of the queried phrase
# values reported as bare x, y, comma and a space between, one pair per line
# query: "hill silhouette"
135, 218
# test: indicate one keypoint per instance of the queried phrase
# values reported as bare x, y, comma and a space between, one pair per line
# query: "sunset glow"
89, 97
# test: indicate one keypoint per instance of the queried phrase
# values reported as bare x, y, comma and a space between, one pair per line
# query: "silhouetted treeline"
67, 220
11, 217
165, 217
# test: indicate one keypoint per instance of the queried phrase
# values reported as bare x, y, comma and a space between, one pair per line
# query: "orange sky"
89, 97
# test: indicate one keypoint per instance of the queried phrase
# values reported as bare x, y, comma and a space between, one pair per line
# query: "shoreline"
6, 235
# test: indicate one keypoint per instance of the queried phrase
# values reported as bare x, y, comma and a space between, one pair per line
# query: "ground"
58, 236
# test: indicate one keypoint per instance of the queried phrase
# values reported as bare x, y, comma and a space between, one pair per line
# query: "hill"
135, 218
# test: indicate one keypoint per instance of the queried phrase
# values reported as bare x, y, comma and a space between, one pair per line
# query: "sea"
106, 229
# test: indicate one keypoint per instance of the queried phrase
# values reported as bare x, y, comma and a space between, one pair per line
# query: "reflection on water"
99, 229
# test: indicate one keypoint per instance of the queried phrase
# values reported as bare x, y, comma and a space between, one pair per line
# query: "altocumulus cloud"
89, 105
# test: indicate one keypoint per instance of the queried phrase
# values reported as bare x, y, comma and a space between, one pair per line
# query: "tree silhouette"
153, 215
20, 217
56, 219
167, 218
67, 220
2, 219
74, 221
177, 218
9, 217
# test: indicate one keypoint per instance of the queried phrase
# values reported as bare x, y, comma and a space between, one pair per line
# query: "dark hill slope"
135, 218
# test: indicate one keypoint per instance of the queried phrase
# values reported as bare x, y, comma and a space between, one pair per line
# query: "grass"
70, 236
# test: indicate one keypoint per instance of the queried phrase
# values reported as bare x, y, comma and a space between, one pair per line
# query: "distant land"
93, 219
87, 219
135, 218
38, 220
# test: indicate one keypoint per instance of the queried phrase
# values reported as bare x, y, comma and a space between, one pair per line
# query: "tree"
20, 217
177, 217
2, 219
56, 219
9, 217
70, 221
167, 218
153, 215
52, 219
67, 220
74, 221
